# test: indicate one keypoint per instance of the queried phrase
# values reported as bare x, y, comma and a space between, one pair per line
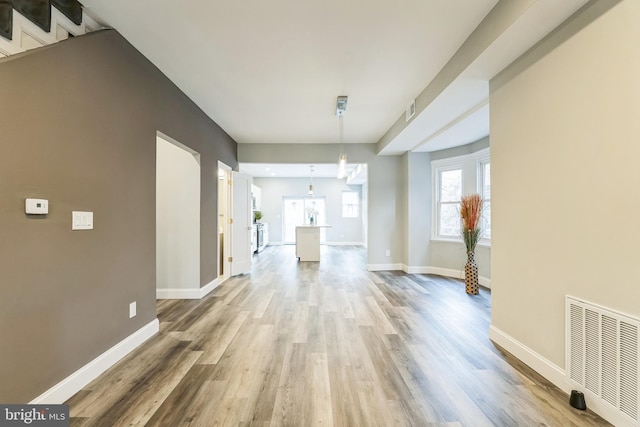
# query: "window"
485, 192
350, 204
448, 196
296, 211
453, 178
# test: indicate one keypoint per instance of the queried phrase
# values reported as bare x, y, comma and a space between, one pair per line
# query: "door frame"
241, 223
223, 224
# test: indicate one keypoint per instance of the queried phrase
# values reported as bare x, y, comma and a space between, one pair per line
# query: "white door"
241, 226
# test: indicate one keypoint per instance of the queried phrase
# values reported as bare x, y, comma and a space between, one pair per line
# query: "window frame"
357, 204
481, 161
444, 166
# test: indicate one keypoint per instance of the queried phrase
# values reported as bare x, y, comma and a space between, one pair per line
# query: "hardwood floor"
327, 343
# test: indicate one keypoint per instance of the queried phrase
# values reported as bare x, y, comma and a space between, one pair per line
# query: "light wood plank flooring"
307, 343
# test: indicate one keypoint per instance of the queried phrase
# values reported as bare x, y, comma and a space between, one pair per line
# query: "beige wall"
565, 180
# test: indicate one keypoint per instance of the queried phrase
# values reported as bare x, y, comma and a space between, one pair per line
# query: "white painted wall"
565, 180
177, 217
342, 231
385, 215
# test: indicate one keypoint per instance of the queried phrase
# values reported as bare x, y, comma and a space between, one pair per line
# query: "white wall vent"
602, 356
410, 111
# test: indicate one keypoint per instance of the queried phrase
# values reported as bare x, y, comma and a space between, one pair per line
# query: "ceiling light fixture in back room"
311, 181
341, 108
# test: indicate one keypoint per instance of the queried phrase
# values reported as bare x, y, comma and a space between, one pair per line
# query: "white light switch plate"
81, 220
132, 310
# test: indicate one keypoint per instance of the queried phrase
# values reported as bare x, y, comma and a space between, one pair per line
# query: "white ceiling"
270, 72
355, 173
292, 170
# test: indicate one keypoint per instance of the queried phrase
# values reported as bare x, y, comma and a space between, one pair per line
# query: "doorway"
224, 214
177, 219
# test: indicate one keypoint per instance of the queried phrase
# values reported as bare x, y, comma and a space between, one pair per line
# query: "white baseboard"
557, 376
66, 388
176, 293
384, 267
484, 282
537, 362
446, 272
344, 243
206, 289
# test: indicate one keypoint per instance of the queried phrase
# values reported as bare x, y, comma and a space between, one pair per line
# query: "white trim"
483, 281
556, 375
66, 388
206, 289
176, 293
58, 18
446, 272
537, 362
385, 267
22, 24
344, 243
90, 25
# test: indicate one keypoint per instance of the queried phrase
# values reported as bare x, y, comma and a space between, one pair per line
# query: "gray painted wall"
420, 250
274, 189
79, 122
453, 255
399, 201
418, 208
474, 147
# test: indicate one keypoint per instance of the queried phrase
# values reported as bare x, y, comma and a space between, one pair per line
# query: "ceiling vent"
410, 111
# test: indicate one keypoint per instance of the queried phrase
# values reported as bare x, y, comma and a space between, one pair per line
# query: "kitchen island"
308, 242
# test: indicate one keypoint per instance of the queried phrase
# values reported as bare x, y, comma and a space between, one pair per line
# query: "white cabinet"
265, 235
254, 238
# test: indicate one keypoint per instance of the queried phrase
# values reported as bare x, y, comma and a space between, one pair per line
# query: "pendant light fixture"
341, 108
311, 181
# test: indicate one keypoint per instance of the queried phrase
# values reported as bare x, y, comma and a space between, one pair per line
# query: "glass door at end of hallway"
296, 211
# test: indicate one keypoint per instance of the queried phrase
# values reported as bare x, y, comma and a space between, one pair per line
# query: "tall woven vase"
471, 275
